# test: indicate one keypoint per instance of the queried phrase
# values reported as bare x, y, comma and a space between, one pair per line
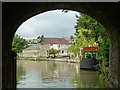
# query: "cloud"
51, 24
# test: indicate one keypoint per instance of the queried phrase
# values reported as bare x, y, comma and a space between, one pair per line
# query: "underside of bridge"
14, 14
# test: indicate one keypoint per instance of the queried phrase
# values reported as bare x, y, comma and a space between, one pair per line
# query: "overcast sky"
50, 24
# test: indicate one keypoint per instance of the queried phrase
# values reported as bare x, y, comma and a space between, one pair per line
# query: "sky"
50, 24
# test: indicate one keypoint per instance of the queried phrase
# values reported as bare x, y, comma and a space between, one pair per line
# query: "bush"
52, 52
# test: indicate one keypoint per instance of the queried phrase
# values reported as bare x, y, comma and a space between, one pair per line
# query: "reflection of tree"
50, 73
53, 71
53, 67
20, 72
77, 80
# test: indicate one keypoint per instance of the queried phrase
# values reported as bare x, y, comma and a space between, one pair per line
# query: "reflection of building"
56, 71
45, 45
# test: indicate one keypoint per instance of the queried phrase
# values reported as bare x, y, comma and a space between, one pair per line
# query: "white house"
59, 44
45, 45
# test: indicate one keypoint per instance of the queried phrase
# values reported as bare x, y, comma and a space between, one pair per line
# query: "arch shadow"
14, 14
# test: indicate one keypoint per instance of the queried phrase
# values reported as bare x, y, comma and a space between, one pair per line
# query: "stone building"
45, 45
32, 51
59, 44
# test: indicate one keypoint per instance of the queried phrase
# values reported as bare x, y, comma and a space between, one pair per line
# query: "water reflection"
51, 74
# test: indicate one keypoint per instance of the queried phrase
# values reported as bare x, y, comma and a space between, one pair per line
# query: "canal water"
51, 74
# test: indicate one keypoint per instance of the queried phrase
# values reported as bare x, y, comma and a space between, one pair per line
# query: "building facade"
46, 43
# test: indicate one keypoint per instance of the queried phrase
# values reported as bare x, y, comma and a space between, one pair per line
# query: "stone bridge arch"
14, 14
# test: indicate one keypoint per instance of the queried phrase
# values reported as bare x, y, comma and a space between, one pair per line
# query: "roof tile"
55, 41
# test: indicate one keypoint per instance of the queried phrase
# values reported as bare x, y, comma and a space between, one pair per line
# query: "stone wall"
113, 70
30, 53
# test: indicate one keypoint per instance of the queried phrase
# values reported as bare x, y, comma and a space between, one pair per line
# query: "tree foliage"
19, 44
53, 51
94, 31
91, 32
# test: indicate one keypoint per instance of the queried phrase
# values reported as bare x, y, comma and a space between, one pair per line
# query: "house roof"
34, 46
46, 40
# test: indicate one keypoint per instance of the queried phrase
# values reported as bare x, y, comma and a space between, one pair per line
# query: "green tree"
91, 32
80, 40
93, 28
53, 52
19, 44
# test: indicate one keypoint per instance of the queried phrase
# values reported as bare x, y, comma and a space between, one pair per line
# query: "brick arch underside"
20, 12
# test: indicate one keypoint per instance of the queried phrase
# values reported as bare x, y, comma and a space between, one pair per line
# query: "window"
59, 46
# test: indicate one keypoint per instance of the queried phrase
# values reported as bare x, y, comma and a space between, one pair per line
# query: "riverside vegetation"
88, 31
